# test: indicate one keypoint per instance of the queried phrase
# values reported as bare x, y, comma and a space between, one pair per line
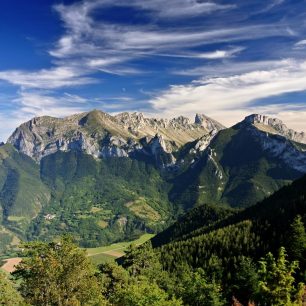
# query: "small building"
49, 217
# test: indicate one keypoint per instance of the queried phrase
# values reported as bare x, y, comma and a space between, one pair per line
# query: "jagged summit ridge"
274, 126
137, 120
103, 135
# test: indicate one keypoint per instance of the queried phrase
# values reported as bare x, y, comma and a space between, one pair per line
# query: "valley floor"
97, 255
111, 252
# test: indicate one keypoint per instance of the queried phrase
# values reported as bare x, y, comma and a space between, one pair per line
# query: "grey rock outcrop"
276, 126
102, 135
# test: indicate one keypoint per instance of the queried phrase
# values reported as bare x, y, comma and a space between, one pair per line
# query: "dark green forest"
101, 201
212, 256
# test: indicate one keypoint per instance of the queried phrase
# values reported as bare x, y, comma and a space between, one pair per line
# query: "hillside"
241, 166
22, 194
252, 232
197, 218
101, 201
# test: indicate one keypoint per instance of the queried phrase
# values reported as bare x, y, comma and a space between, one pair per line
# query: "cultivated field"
113, 251
97, 255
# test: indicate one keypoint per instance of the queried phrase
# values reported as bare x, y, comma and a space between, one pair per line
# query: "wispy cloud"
115, 43
57, 77
91, 45
300, 44
230, 68
272, 4
235, 57
172, 9
214, 55
179, 8
39, 103
125, 42
225, 94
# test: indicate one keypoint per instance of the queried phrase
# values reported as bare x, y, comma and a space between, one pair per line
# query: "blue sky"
225, 59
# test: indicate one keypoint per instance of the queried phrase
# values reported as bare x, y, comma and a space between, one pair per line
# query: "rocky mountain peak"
128, 118
262, 119
274, 126
103, 135
180, 121
207, 123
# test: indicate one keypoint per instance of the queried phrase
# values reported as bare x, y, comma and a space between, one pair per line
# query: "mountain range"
107, 178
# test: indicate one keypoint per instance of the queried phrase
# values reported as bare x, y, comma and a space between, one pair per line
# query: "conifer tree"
297, 240
277, 282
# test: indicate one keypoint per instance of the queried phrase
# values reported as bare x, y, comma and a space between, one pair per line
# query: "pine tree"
142, 260
276, 281
297, 240
245, 281
198, 291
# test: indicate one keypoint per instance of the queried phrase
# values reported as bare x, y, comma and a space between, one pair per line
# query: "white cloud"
214, 55
180, 8
300, 44
89, 45
273, 4
293, 115
220, 54
46, 78
232, 93
171, 9
39, 103
228, 68
86, 36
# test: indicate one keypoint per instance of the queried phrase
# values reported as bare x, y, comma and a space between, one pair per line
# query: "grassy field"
97, 255
113, 251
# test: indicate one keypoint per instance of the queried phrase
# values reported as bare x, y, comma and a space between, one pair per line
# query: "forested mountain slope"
22, 194
252, 232
101, 201
241, 166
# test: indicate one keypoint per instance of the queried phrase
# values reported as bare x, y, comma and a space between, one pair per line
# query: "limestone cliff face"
102, 135
275, 126
278, 141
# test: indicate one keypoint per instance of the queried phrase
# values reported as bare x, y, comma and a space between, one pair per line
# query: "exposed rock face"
102, 135
278, 141
275, 126
207, 123
203, 142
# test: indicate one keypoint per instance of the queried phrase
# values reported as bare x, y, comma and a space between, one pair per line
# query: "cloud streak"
227, 94
90, 45
47, 78
88, 37
234, 56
